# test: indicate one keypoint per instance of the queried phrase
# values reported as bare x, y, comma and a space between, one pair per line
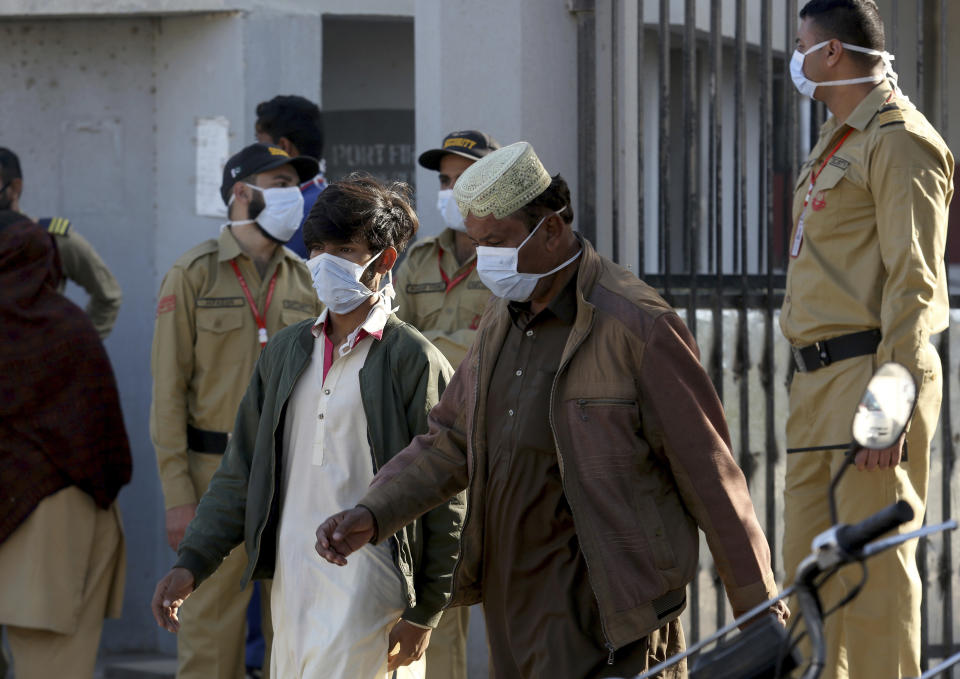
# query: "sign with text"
379, 142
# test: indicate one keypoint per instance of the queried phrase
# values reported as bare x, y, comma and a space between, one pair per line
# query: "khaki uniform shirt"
445, 310
82, 265
205, 345
874, 232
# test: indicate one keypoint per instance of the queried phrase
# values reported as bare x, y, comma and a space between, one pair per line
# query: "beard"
256, 206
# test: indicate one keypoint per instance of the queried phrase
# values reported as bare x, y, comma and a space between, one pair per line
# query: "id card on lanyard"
798, 235
261, 320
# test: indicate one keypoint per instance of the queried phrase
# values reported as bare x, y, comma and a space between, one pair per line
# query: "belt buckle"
798, 359
822, 354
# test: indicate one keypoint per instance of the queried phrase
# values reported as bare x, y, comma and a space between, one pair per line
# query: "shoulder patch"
58, 226
166, 304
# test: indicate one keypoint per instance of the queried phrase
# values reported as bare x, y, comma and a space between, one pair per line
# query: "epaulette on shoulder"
423, 242
890, 114
196, 252
58, 226
421, 248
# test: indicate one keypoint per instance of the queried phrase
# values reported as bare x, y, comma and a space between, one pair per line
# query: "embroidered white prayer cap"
502, 182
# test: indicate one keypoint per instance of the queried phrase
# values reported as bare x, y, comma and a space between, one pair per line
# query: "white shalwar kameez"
331, 622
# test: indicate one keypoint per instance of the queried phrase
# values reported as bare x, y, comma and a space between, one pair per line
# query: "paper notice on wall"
212, 155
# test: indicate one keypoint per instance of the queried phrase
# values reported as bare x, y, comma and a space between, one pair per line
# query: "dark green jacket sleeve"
440, 527
218, 526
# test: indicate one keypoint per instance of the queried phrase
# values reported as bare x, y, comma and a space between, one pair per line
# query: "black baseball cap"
258, 158
471, 144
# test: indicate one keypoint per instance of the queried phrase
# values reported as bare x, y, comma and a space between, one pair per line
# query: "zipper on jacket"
473, 457
556, 441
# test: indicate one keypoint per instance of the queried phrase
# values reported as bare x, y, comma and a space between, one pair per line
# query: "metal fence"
689, 181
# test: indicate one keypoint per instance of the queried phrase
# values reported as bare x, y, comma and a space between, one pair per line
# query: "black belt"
820, 354
203, 441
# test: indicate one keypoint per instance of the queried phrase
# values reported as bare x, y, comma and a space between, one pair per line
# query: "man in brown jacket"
590, 440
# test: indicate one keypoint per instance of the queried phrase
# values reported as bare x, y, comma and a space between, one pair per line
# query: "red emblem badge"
819, 201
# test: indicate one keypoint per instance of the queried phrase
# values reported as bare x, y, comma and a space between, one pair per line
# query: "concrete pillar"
506, 67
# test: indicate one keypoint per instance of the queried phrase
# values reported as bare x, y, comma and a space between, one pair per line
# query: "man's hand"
869, 459
168, 597
178, 518
342, 534
407, 644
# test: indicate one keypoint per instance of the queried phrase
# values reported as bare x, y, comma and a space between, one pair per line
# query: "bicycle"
767, 650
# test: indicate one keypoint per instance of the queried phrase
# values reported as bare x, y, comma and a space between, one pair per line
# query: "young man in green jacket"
330, 402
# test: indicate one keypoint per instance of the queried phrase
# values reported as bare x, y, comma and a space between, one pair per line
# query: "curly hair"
296, 118
362, 209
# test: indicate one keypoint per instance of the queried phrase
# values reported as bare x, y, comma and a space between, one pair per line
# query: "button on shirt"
537, 570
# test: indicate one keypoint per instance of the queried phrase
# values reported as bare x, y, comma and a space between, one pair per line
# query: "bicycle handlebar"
852, 539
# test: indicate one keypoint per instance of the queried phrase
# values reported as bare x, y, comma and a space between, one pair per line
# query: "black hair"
855, 22
296, 118
554, 198
9, 166
362, 209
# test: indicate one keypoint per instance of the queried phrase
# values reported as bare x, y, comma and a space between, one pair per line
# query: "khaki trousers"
211, 640
40, 653
447, 652
877, 635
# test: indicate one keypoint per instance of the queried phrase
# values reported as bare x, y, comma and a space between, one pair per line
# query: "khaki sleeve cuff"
178, 492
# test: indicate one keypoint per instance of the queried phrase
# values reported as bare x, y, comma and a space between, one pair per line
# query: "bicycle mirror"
885, 408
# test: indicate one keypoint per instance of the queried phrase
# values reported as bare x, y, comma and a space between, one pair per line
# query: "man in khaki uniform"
866, 284
80, 262
440, 293
217, 307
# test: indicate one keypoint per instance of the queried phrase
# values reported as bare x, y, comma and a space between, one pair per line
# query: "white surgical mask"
337, 282
450, 211
808, 87
282, 211
497, 268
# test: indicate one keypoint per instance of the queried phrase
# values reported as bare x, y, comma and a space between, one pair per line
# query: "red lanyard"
446, 279
260, 320
798, 235
814, 175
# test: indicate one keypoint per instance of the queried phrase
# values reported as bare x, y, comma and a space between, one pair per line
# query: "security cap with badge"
471, 144
258, 158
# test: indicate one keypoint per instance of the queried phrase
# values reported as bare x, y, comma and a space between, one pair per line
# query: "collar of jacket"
588, 273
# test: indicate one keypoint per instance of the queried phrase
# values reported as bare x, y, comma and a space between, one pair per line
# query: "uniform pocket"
219, 320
